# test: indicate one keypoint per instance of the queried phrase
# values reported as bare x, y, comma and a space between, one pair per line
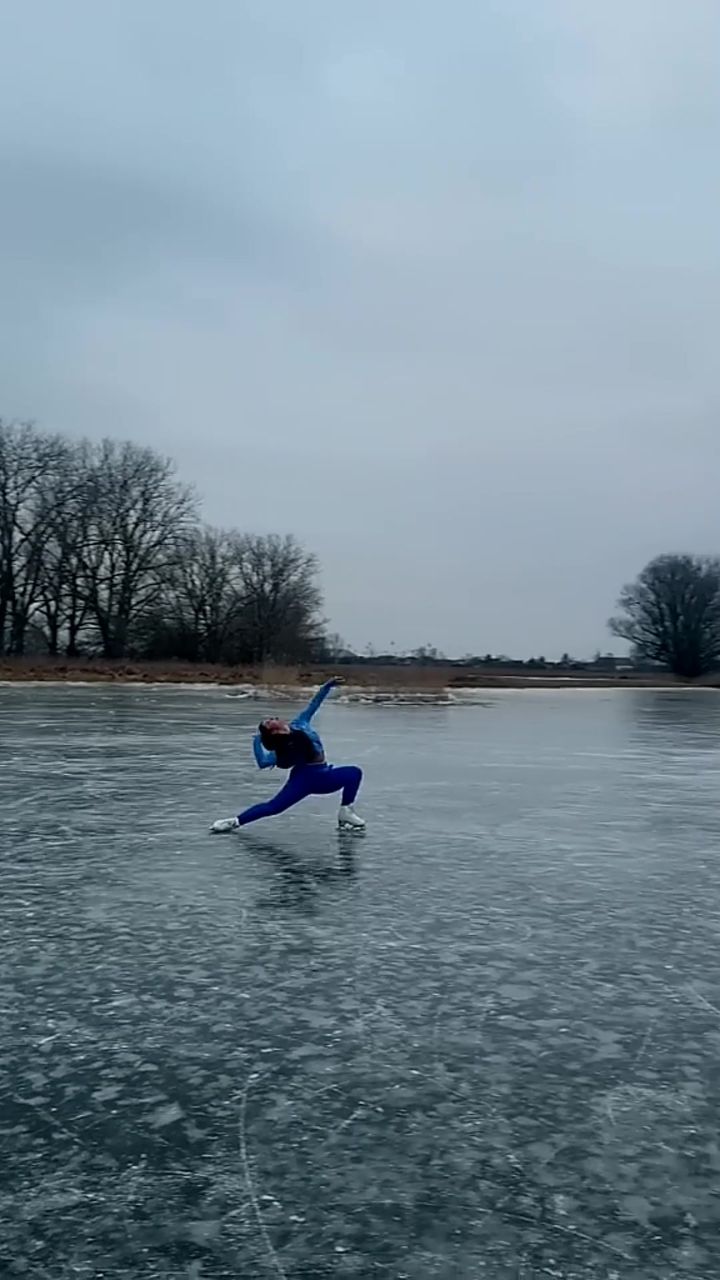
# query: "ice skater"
297, 747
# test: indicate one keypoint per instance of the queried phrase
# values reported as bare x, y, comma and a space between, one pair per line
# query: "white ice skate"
347, 817
224, 824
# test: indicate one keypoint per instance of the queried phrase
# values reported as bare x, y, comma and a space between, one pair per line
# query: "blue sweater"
267, 759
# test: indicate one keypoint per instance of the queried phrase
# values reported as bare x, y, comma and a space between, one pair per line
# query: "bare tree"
281, 601
671, 613
62, 607
29, 464
138, 515
201, 604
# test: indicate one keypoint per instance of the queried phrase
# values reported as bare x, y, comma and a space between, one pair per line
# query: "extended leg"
290, 794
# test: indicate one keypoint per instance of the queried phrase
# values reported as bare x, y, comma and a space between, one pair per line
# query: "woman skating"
297, 747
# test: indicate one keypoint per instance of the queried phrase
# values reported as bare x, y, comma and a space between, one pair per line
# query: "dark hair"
266, 736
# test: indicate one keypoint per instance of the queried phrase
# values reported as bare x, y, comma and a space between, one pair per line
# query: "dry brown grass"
400, 679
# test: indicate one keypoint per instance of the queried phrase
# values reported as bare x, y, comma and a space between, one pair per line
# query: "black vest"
294, 748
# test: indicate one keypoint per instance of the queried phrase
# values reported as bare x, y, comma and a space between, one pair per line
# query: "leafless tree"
30, 462
62, 608
281, 601
138, 515
671, 613
199, 609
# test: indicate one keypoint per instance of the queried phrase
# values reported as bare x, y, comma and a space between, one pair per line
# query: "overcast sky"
435, 287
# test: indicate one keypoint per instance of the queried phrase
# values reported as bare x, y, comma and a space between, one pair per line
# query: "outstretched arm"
316, 702
265, 759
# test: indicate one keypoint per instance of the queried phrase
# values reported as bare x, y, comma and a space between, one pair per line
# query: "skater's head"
271, 730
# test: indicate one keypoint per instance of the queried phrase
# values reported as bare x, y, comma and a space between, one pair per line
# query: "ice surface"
480, 1041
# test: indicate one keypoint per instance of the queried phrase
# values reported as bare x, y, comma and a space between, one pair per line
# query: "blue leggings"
307, 780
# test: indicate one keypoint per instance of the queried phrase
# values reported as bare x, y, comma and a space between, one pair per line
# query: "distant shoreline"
410, 679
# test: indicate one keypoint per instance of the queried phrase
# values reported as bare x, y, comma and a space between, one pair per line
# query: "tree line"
102, 551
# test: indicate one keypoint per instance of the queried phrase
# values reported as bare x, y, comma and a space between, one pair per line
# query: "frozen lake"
482, 1040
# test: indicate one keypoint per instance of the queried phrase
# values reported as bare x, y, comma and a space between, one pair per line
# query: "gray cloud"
437, 292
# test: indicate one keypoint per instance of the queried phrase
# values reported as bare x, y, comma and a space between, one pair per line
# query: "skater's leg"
351, 785
345, 778
292, 793
326, 779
